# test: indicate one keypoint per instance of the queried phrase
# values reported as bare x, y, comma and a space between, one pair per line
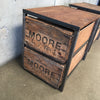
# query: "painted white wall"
11, 24
66, 2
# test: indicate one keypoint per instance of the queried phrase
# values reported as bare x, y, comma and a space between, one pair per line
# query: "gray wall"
11, 24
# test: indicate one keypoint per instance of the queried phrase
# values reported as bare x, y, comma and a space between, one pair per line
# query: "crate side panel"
76, 59
84, 35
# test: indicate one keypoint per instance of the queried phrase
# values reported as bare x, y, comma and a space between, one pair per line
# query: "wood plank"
52, 40
88, 5
84, 35
76, 59
41, 66
67, 15
48, 39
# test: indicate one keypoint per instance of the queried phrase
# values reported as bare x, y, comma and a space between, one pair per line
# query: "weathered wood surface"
48, 39
84, 35
67, 15
87, 5
91, 8
53, 41
76, 59
41, 66
48, 70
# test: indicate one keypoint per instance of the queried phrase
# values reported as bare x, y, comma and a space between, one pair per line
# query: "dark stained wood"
45, 40
76, 59
88, 5
67, 15
48, 39
52, 40
46, 69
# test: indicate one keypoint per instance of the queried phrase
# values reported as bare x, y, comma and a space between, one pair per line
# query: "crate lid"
66, 15
93, 8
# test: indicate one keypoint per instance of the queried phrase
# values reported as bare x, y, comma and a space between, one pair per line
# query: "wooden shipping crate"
47, 69
53, 40
57, 37
93, 9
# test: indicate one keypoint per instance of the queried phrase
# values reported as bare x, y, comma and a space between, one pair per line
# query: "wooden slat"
41, 66
52, 40
88, 5
76, 59
67, 15
84, 35
48, 39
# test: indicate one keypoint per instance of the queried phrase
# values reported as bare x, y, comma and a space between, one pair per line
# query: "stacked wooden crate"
55, 40
93, 9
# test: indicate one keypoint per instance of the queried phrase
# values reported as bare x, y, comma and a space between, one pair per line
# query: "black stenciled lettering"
41, 68
35, 65
44, 40
33, 34
31, 63
58, 45
38, 37
55, 76
47, 48
28, 60
29, 33
47, 71
51, 42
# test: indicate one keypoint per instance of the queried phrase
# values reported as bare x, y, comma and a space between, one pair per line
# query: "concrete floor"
83, 84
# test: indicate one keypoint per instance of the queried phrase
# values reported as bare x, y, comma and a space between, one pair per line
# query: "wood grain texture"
48, 39
52, 40
88, 5
83, 36
41, 66
67, 15
76, 59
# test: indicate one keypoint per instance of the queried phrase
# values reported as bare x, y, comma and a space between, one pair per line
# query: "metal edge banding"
54, 21
69, 60
72, 27
95, 28
80, 48
98, 36
99, 32
85, 9
88, 10
23, 35
73, 69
